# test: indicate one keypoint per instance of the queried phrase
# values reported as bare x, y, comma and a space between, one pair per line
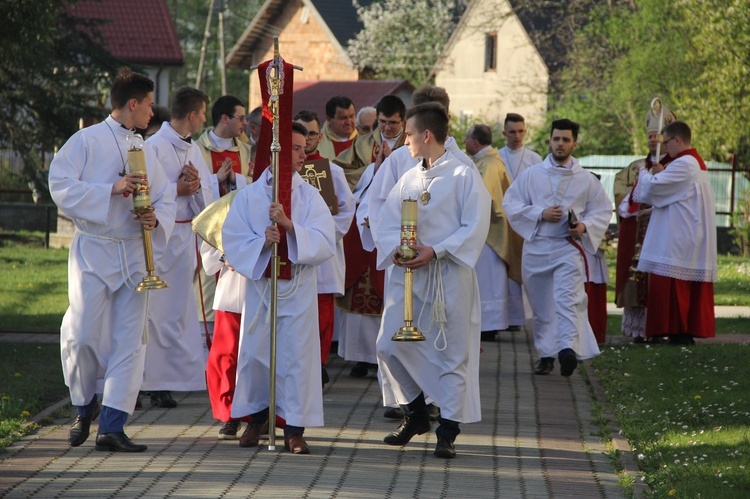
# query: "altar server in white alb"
453, 220
247, 238
560, 210
679, 250
175, 356
102, 338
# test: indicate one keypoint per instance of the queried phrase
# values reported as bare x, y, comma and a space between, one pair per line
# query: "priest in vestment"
247, 238
103, 333
176, 353
679, 249
376, 146
633, 223
339, 130
500, 260
359, 311
453, 220
560, 210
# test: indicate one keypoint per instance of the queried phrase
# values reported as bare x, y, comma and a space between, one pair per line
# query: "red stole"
693, 153
339, 147
263, 152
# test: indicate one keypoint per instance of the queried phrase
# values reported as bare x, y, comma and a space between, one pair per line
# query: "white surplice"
299, 395
519, 160
102, 337
553, 269
454, 223
681, 238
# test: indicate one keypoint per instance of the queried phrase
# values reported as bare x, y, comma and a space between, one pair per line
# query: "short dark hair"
185, 100
679, 129
307, 116
224, 105
566, 124
299, 128
514, 118
430, 116
129, 85
255, 116
430, 93
482, 134
338, 101
390, 105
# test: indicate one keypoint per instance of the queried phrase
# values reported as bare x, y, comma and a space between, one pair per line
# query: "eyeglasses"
238, 118
670, 138
312, 135
389, 123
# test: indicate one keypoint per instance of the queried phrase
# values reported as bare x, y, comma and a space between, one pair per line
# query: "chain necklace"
122, 158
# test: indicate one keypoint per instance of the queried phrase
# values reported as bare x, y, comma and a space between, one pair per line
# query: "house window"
490, 51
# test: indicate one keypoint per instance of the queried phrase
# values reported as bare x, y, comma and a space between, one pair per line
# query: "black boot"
163, 399
416, 422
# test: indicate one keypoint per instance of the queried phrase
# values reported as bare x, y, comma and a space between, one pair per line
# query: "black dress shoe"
117, 442
544, 366
163, 399
681, 339
445, 448
409, 427
79, 432
488, 335
359, 370
568, 361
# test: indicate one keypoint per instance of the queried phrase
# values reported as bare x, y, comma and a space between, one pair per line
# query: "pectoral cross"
312, 177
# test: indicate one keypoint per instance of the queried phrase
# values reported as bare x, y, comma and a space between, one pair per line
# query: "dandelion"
697, 397
17, 375
5, 398
25, 414
672, 492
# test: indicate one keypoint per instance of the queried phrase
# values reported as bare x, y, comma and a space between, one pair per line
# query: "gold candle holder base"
408, 333
150, 282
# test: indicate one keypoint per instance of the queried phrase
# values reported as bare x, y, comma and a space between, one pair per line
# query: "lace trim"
634, 321
682, 273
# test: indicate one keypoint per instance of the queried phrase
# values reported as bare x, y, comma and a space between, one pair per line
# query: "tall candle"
408, 228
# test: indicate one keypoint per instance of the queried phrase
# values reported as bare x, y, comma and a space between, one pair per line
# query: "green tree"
52, 68
717, 98
402, 38
624, 56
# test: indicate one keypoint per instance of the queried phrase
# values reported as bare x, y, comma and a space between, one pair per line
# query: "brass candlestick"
141, 206
407, 332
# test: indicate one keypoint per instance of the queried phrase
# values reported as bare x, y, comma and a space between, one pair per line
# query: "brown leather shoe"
251, 436
296, 444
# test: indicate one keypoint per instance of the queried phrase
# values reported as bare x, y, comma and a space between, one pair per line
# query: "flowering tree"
402, 38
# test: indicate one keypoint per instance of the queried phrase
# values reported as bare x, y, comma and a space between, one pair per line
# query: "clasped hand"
425, 254
189, 181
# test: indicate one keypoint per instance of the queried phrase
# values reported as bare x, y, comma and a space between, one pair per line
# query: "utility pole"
206, 36
220, 8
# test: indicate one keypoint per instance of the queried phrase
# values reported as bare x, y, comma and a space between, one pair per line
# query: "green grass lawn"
686, 413
32, 380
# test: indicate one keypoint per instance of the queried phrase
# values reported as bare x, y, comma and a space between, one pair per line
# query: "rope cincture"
438, 315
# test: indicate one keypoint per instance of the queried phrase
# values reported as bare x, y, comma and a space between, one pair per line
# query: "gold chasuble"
330, 145
501, 238
364, 151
